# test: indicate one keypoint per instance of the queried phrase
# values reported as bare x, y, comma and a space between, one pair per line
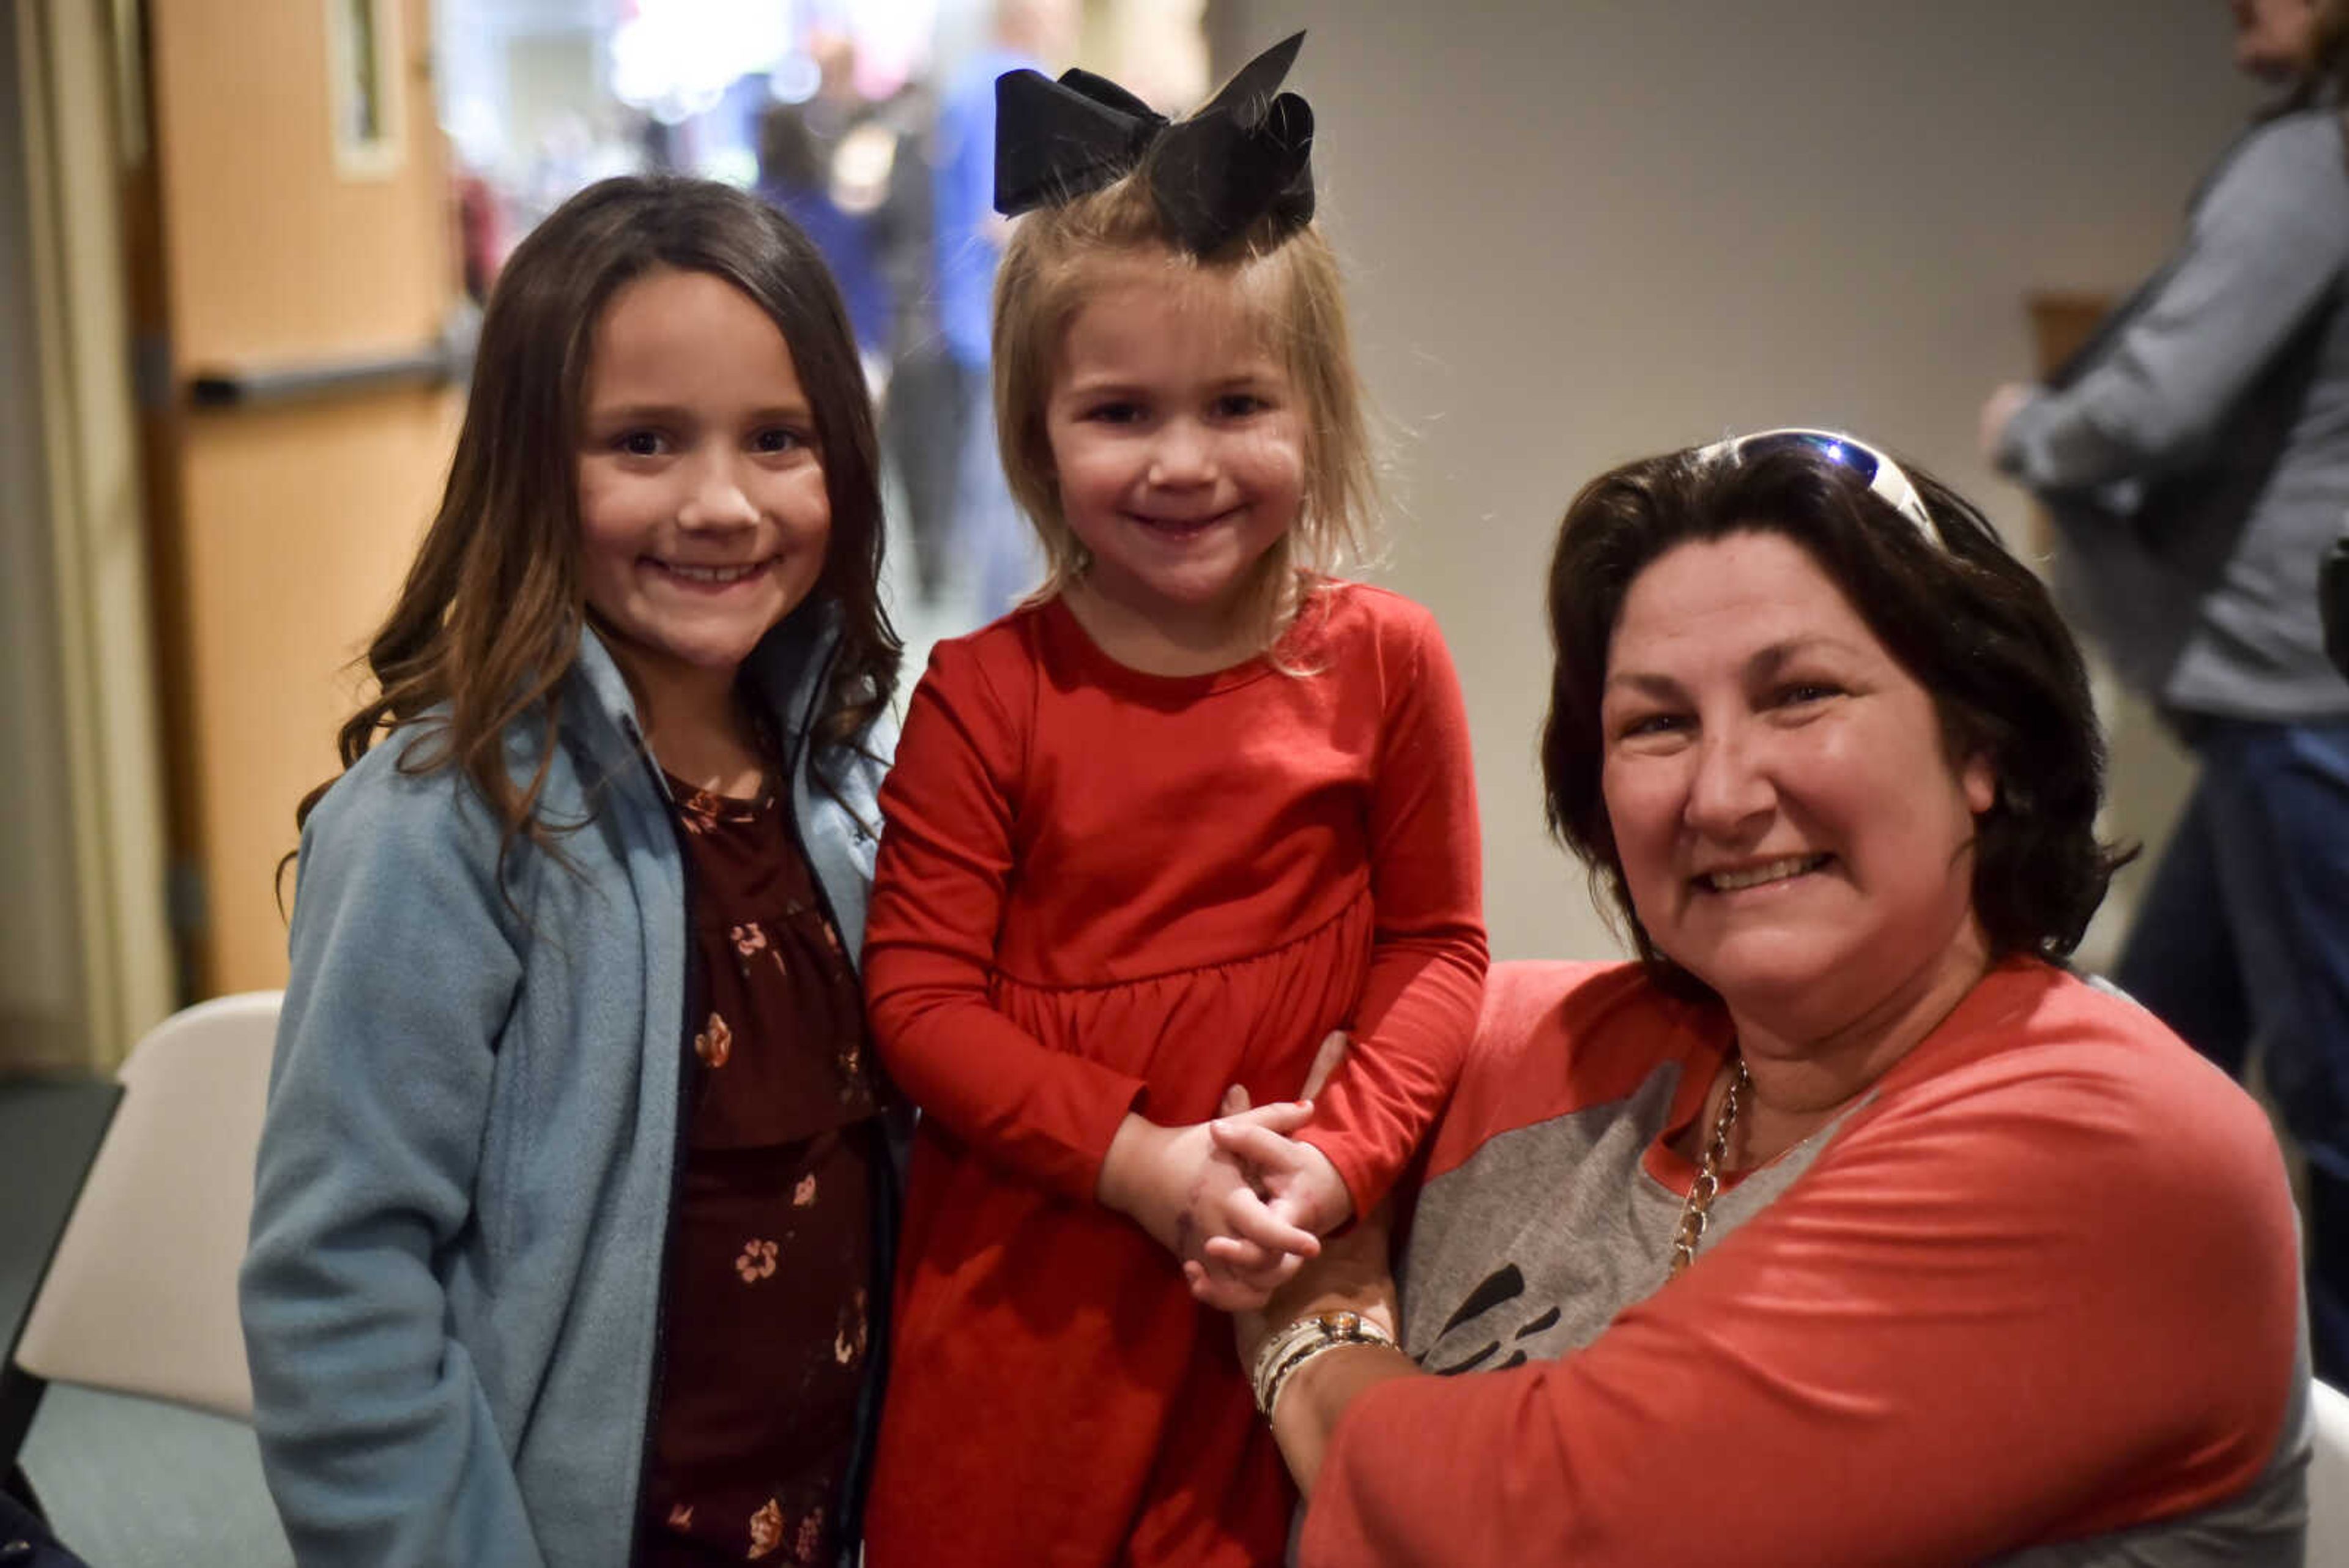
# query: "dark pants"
25, 1541
2242, 947
922, 438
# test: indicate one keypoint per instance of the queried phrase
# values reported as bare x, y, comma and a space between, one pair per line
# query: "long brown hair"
488, 623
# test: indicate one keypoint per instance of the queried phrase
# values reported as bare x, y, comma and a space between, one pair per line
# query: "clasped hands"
1240, 1200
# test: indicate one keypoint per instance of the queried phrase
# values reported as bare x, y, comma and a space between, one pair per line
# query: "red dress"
1101, 891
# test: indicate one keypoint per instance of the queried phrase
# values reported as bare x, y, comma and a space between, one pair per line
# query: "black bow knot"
1245, 155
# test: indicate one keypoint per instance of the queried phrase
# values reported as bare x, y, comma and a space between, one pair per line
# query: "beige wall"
1580, 232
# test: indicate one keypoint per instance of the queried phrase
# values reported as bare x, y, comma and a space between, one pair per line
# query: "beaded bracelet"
1301, 1342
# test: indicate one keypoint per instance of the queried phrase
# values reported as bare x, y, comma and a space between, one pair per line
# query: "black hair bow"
1245, 155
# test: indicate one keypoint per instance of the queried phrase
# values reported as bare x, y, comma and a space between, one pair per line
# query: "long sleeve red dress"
1102, 891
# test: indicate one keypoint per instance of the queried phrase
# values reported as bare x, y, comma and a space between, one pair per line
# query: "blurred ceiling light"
675, 58
796, 78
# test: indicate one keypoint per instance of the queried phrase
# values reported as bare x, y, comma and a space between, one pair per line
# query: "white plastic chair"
2328, 1477
142, 1449
142, 1295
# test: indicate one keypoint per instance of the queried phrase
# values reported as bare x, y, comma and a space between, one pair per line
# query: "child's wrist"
1119, 1185
1334, 1200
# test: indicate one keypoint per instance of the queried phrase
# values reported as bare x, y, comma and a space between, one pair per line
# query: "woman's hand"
1353, 1273
1997, 412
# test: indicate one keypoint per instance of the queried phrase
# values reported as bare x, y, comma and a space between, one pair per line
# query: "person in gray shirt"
2194, 456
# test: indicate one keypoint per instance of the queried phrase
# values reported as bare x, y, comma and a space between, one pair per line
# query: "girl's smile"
710, 579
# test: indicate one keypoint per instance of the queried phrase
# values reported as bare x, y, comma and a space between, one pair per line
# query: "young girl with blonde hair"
1156, 834
575, 1204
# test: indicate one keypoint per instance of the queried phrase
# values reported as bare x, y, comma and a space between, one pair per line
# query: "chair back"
2328, 1475
142, 1295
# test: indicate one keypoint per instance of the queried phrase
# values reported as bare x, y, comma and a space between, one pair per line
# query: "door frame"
73, 64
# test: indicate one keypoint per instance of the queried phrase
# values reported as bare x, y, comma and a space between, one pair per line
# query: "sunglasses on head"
1883, 477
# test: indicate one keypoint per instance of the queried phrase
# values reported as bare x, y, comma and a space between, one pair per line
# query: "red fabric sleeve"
2032, 1301
1426, 981
929, 945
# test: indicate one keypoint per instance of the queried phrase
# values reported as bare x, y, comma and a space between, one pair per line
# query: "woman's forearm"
1314, 1399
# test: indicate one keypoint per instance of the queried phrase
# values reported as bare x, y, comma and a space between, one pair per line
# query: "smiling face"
702, 505
1178, 453
1791, 829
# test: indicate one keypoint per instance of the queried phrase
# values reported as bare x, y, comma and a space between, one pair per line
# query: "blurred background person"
991, 538
2194, 456
921, 421
827, 163
2335, 587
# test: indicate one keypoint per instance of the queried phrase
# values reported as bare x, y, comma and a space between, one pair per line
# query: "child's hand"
1290, 1185
1188, 1194
1240, 1263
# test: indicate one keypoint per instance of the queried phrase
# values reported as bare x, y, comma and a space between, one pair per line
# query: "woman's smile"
1759, 874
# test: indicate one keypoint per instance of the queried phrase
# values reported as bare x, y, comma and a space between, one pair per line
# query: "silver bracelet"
1301, 1342
1277, 1348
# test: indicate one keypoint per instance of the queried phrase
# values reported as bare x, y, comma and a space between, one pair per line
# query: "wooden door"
297, 217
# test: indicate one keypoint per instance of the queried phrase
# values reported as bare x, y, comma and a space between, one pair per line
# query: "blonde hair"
1057, 253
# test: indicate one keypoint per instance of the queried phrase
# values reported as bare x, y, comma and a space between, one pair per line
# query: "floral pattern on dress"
766, 1530
715, 1043
851, 1066
698, 811
848, 1346
776, 1186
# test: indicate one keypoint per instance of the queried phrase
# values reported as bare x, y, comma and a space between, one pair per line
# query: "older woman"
1847, 1226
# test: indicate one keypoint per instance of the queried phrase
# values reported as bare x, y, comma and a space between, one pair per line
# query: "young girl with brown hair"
574, 1200
1157, 833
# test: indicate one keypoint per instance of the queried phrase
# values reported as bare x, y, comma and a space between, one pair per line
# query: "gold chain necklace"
1698, 1208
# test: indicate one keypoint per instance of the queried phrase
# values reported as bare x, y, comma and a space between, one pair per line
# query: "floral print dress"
772, 1249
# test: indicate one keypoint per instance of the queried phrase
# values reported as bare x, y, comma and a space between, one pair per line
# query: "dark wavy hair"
1971, 623
487, 625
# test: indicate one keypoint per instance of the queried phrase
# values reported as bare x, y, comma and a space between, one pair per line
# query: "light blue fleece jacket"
451, 1298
